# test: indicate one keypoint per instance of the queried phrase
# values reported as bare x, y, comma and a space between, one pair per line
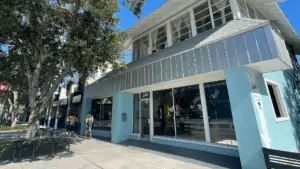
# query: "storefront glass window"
163, 113
136, 110
188, 110
102, 112
219, 113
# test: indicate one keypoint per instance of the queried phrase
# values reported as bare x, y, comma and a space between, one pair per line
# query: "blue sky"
289, 7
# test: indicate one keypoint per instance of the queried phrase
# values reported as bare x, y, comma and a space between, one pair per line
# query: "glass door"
145, 119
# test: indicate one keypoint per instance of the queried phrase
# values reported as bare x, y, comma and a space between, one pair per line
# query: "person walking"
72, 120
88, 124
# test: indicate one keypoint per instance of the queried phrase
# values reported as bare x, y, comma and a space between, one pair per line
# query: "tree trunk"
5, 108
14, 121
9, 111
15, 111
33, 122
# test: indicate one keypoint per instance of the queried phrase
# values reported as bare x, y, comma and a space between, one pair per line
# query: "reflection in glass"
163, 113
102, 112
188, 110
136, 110
219, 113
145, 110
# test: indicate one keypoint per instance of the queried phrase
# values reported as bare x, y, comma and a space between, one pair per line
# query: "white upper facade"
178, 20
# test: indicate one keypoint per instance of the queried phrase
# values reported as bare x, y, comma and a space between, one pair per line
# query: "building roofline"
273, 12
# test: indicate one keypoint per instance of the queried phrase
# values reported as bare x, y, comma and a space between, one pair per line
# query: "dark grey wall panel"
157, 72
150, 74
174, 68
168, 71
117, 82
123, 81
198, 59
241, 50
206, 60
185, 66
262, 42
128, 80
179, 67
213, 57
142, 76
163, 70
146, 75
252, 47
222, 55
231, 52
191, 63
134, 78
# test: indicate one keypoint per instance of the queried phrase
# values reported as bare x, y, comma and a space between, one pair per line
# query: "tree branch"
54, 86
28, 71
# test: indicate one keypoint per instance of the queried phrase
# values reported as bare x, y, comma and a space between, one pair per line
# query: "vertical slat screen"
241, 49
252, 47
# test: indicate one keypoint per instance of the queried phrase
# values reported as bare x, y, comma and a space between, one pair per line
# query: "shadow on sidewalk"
193, 156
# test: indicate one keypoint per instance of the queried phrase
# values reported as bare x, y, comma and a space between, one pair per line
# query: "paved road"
99, 154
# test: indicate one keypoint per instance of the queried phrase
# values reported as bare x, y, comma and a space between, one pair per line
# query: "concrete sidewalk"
99, 154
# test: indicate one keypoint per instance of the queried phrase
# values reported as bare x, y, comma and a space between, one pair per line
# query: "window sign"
145, 95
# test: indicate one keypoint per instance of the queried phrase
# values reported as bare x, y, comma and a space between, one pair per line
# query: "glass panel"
242, 8
250, 10
274, 100
140, 47
202, 18
102, 112
221, 11
136, 110
163, 113
189, 119
159, 39
145, 117
219, 113
181, 28
136, 50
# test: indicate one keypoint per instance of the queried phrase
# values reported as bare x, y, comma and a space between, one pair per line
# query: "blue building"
210, 75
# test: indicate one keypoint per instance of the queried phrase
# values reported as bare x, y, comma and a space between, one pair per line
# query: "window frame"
279, 99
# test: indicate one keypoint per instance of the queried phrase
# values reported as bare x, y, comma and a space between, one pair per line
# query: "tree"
12, 71
54, 39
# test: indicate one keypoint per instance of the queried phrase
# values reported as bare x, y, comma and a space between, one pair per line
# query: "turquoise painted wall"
245, 118
121, 130
284, 135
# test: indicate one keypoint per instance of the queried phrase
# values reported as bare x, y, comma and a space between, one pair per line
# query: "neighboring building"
210, 75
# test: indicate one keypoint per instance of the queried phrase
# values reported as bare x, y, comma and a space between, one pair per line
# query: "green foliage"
8, 128
51, 39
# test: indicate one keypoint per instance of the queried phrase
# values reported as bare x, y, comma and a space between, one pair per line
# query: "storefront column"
122, 117
245, 120
87, 105
205, 113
